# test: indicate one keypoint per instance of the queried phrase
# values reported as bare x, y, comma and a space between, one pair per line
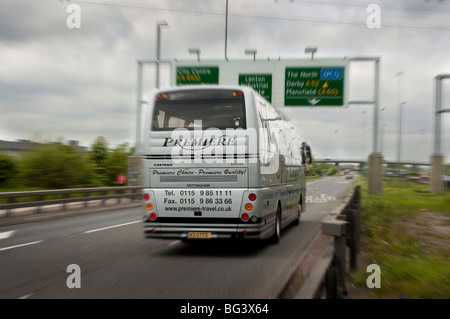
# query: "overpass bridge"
361, 162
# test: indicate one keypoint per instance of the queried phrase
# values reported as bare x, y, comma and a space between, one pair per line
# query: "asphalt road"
116, 261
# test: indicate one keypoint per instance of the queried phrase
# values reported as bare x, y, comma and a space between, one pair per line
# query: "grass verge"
406, 232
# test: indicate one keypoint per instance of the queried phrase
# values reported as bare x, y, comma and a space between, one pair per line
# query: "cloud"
81, 83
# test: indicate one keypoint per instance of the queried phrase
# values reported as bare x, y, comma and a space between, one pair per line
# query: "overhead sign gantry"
298, 83
301, 82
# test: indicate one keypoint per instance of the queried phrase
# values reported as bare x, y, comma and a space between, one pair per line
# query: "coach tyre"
276, 237
299, 213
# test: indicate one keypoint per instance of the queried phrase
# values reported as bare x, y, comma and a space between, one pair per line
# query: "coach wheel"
277, 235
299, 213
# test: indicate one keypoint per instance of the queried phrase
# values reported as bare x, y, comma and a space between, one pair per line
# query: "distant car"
348, 175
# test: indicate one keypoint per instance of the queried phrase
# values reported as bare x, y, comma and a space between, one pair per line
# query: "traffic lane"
318, 191
40, 271
120, 263
327, 188
24, 234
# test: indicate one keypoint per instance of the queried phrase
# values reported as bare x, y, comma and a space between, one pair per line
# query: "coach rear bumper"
211, 228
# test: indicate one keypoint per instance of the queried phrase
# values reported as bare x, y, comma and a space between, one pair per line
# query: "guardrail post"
65, 196
339, 259
9, 200
40, 198
353, 216
338, 229
86, 194
330, 283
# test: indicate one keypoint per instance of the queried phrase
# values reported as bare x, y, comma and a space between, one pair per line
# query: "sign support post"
375, 160
437, 158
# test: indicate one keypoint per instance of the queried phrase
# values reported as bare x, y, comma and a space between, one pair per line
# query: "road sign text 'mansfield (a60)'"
314, 86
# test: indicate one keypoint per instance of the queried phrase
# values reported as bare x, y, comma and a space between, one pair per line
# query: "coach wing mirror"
306, 154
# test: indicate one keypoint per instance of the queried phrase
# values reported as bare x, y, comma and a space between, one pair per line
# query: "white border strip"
109, 227
21, 245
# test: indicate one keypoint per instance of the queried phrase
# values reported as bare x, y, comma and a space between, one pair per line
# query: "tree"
311, 169
117, 162
8, 169
447, 169
99, 156
57, 166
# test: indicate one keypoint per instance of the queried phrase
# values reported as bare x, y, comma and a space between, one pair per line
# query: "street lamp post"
382, 125
336, 143
364, 134
382, 137
399, 149
226, 30
159, 25
399, 137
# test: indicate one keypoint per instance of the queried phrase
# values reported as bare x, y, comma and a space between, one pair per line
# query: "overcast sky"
80, 83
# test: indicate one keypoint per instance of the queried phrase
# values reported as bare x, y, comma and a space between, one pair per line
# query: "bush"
57, 166
8, 170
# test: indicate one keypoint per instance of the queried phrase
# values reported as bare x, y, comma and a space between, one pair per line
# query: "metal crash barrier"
39, 199
327, 278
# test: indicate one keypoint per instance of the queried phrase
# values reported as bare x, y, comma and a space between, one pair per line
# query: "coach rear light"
146, 196
248, 207
149, 206
162, 96
252, 197
152, 217
244, 217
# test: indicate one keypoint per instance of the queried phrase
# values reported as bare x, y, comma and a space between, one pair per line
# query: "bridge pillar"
437, 171
375, 174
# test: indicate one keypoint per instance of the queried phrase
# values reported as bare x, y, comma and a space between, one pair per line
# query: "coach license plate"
199, 235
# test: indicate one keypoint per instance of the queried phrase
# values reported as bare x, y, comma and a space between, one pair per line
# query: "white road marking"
21, 245
174, 242
26, 296
109, 227
7, 234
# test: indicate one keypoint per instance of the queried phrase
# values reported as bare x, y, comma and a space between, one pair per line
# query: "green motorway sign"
189, 75
261, 83
314, 86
